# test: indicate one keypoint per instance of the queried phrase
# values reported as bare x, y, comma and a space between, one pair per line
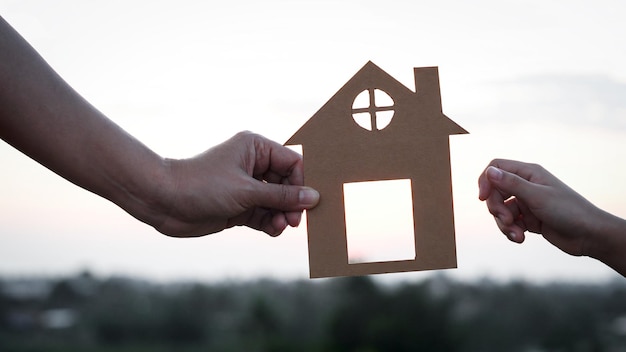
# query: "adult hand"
526, 197
248, 180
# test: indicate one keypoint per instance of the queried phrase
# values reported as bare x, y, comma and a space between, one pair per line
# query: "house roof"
415, 113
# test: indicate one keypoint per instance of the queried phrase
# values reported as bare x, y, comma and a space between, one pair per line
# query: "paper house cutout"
337, 148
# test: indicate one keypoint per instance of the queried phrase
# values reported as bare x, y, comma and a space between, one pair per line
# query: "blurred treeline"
85, 313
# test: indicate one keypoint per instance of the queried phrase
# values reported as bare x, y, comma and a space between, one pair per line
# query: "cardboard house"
412, 143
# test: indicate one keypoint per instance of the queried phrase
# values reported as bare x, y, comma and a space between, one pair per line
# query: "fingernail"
494, 173
308, 197
298, 220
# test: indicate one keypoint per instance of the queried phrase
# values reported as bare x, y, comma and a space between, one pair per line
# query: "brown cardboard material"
414, 145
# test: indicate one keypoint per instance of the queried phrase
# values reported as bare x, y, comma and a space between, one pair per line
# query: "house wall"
432, 203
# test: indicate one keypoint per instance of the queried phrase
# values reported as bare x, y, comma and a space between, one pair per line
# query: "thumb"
286, 197
510, 183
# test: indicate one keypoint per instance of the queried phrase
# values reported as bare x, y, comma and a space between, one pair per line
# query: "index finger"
278, 163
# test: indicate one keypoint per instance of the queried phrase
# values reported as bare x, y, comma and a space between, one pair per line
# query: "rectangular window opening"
379, 221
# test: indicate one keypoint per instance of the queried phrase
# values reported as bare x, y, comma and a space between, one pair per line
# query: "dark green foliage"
368, 318
344, 314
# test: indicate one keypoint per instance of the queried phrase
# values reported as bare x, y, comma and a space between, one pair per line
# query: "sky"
537, 81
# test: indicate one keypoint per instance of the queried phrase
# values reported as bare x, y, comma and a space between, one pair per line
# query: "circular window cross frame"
373, 110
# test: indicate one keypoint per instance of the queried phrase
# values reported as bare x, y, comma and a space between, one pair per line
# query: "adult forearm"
42, 116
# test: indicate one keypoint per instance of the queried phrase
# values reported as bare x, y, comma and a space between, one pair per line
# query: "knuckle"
244, 136
244, 133
511, 180
287, 196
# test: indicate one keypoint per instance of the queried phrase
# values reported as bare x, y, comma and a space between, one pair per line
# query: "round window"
372, 109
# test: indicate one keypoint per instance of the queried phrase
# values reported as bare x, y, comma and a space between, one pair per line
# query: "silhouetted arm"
247, 180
